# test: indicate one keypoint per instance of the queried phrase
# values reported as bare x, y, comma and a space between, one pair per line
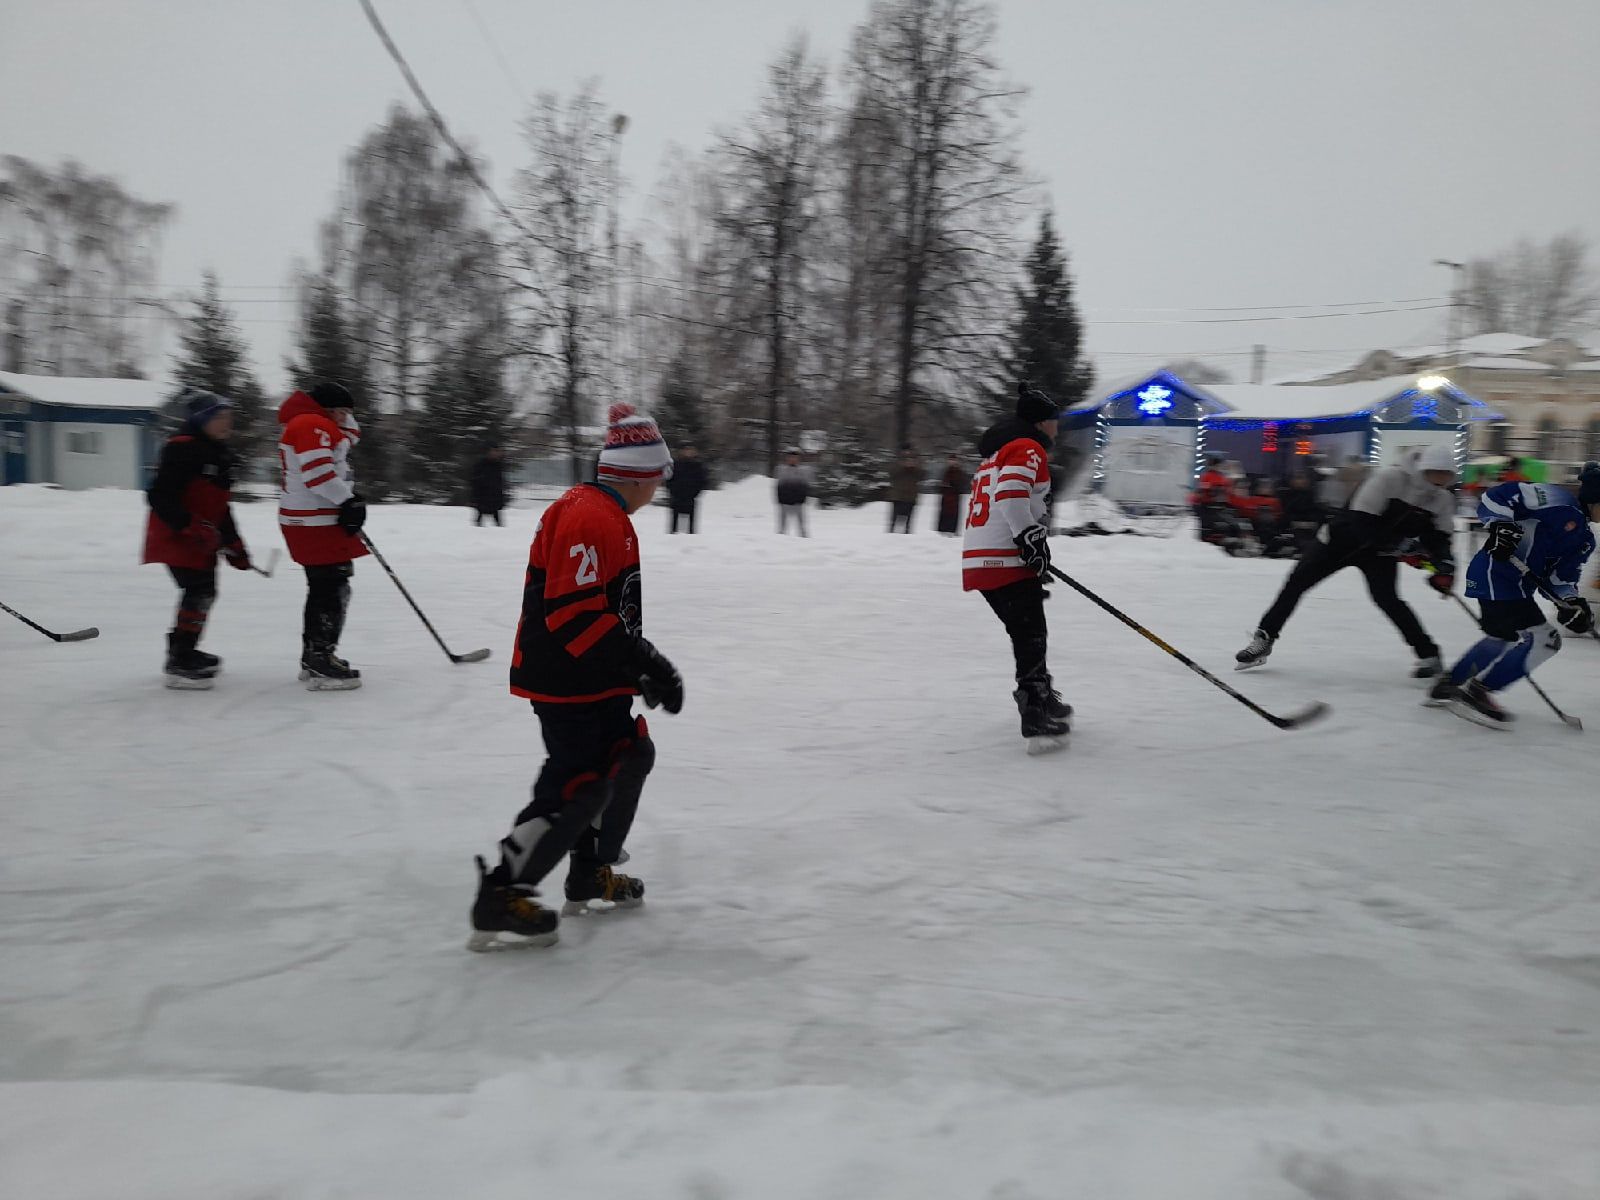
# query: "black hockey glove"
659, 681
1033, 544
1504, 538
1575, 614
353, 514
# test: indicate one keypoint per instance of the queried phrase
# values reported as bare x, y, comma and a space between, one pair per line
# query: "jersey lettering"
588, 564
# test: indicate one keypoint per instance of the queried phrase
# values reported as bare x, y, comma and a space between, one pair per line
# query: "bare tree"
84, 253
925, 81
773, 172
565, 196
1538, 289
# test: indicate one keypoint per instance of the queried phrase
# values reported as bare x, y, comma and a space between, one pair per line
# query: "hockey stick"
1567, 719
469, 656
272, 565
1305, 716
77, 635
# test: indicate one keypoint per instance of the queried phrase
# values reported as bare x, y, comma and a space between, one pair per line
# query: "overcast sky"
1201, 154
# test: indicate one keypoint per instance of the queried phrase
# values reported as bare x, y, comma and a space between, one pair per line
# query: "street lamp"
1455, 304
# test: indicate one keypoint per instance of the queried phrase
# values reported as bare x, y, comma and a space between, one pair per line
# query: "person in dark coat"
190, 524
953, 486
489, 486
1302, 514
905, 484
688, 480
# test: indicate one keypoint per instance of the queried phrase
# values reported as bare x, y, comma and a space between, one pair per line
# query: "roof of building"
89, 393
1506, 364
1275, 402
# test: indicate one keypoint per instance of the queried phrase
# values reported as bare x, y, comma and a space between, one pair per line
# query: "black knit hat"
1589, 484
1034, 406
332, 395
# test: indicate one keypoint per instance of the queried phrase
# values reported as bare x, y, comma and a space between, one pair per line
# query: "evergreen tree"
213, 358
333, 347
681, 414
465, 410
1045, 343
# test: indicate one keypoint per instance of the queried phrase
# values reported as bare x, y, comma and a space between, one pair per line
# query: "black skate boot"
1055, 705
1442, 692
1042, 731
187, 669
1427, 668
506, 916
1474, 702
321, 670
1257, 652
600, 889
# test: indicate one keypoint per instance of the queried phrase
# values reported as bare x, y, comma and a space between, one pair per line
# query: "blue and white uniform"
1555, 542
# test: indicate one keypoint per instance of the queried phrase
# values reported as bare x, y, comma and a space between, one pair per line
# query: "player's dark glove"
1574, 613
1442, 582
238, 557
203, 535
1033, 545
1504, 538
353, 514
659, 681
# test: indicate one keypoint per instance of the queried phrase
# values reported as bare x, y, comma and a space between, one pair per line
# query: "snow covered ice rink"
885, 953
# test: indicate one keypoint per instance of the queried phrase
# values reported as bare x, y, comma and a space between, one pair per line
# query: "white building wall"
115, 461
1148, 464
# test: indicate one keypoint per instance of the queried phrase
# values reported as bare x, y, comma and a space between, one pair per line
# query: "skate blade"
583, 908
1467, 713
1250, 666
317, 683
1045, 745
485, 941
179, 683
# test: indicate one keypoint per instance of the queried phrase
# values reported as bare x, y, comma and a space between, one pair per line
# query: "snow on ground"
885, 954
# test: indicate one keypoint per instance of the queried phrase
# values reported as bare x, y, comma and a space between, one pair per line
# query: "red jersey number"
978, 510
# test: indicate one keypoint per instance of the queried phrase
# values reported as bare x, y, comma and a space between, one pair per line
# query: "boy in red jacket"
321, 515
190, 523
580, 659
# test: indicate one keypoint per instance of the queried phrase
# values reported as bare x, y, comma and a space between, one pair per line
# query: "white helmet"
1438, 457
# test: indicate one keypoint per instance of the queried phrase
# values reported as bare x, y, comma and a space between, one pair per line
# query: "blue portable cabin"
79, 433
1152, 434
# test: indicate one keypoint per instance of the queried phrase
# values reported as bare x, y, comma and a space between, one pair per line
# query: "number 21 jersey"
581, 602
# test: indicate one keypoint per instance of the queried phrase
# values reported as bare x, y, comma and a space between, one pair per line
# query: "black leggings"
327, 601
1020, 607
197, 593
1327, 559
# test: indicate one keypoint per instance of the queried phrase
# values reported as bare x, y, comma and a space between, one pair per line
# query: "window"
1548, 438
1499, 439
83, 443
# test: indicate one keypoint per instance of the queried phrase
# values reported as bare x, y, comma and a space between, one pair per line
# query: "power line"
494, 48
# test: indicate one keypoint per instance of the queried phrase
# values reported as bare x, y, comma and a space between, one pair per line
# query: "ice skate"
507, 917
601, 890
1041, 729
325, 671
187, 669
1427, 668
1256, 653
1475, 703
1441, 693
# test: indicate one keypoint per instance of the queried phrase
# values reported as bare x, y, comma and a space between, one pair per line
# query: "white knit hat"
1438, 457
634, 451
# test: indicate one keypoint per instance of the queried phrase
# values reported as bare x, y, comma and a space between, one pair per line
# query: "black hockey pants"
1020, 607
327, 601
1325, 559
197, 593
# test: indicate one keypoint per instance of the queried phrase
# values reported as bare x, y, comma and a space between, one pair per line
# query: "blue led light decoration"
1155, 400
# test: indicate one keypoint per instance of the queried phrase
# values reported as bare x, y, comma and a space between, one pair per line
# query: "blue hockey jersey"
1555, 542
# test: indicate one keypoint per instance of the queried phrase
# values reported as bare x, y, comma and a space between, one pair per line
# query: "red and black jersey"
192, 487
581, 604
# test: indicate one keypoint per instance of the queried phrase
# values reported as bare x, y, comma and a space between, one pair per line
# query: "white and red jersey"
314, 452
1008, 496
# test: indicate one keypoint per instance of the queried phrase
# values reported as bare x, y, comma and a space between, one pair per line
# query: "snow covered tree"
1536, 289
213, 358
1045, 343
465, 410
681, 413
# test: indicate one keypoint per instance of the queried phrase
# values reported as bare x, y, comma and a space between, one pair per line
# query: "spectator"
1210, 502
1512, 472
1302, 514
794, 489
905, 483
688, 480
489, 486
1344, 483
952, 487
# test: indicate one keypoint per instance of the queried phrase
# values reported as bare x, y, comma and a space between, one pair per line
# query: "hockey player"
190, 523
1006, 554
1393, 508
321, 513
581, 658
1538, 540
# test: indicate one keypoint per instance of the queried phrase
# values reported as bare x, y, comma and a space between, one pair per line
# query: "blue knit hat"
203, 406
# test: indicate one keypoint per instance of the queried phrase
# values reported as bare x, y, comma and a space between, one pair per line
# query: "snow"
89, 393
885, 953
1266, 401
1507, 364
